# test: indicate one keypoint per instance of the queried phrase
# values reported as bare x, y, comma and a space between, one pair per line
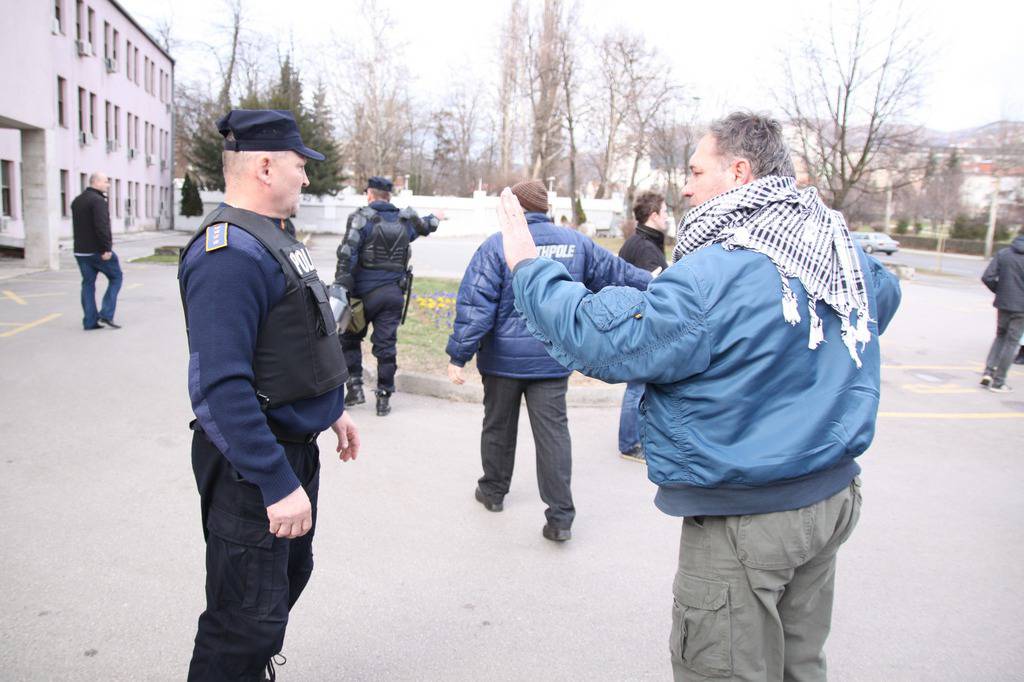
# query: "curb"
418, 383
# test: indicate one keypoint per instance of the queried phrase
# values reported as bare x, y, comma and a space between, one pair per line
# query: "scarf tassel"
790, 310
850, 339
817, 331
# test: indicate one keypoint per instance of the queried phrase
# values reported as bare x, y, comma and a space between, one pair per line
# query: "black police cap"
263, 130
383, 184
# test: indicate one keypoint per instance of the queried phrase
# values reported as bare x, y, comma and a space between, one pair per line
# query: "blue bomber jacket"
739, 416
486, 322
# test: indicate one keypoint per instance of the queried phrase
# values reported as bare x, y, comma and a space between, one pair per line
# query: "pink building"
85, 89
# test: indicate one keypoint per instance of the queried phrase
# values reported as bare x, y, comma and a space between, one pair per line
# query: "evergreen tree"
191, 203
205, 149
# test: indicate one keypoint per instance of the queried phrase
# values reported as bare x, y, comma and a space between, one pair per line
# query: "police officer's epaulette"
216, 236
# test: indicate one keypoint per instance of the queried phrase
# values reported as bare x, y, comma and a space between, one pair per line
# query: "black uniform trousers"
383, 308
252, 577
545, 403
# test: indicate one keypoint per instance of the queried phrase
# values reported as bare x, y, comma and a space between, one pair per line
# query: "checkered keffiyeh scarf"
802, 237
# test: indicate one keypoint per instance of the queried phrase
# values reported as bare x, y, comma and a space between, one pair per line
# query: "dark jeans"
629, 416
1009, 326
252, 577
545, 403
90, 266
383, 308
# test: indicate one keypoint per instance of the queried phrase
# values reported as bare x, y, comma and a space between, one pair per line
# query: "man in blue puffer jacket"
512, 363
759, 348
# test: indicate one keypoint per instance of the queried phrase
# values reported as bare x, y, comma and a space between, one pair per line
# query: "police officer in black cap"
266, 376
373, 267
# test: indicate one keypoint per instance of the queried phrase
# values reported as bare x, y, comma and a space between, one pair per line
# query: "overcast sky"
728, 52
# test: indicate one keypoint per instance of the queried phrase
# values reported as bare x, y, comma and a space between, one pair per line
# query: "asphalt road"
103, 564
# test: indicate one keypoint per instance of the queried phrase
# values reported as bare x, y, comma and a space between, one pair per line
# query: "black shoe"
95, 326
109, 323
383, 407
1019, 360
272, 667
354, 392
556, 534
634, 454
986, 380
487, 502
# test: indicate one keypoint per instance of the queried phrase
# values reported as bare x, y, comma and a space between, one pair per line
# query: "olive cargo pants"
753, 594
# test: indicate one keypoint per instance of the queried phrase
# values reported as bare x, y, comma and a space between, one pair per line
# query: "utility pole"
993, 209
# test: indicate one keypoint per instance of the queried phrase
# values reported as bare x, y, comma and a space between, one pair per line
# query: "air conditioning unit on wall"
84, 48
3, 223
110, 64
55, 29
111, 146
83, 137
131, 153
149, 159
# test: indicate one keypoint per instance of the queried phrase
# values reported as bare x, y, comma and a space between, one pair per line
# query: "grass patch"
163, 258
423, 337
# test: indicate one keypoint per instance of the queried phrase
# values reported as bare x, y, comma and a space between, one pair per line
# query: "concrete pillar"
41, 182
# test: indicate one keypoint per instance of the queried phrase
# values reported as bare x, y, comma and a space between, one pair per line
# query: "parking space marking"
942, 389
14, 297
30, 325
952, 415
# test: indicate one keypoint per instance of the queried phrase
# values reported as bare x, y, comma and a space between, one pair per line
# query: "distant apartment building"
84, 88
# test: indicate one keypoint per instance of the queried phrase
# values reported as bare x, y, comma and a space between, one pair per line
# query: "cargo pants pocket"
246, 566
701, 637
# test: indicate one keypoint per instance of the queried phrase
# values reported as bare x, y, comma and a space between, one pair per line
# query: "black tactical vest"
387, 247
297, 353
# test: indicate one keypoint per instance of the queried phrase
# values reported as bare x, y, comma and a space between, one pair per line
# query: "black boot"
1019, 360
354, 392
383, 408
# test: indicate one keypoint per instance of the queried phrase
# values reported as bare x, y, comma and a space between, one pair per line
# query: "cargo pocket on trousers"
701, 626
246, 565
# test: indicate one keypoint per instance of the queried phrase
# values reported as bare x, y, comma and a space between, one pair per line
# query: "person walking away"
94, 252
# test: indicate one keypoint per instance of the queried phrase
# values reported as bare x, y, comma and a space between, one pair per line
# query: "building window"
92, 114
135, 67
81, 110
106, 40
78, 19
81, 182
63, 193
128, 59
117, 198
58, 15
90, 27
135, 129
6, 171
61, 91
107, 123
117, 125
113, 44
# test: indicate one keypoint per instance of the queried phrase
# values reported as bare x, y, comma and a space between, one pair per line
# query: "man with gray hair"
94, 252
759, 351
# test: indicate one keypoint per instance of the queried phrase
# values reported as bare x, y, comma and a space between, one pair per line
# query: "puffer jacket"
1004, 277
486, 322
739, 416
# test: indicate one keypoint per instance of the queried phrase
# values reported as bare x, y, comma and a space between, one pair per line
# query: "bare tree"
568, 55
848, 90
672, 142
544, 91
609, 114
511, 56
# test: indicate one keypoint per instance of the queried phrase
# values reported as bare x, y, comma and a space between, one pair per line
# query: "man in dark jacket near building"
759, 348
513, 364
645, 250
1004, 276
90, 221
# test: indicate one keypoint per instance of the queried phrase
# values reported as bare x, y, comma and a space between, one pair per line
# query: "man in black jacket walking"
1004, 276
90, 219
645, 250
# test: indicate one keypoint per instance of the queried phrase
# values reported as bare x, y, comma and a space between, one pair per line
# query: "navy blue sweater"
229, 293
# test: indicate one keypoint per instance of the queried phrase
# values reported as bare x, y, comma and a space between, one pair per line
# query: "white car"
876, 241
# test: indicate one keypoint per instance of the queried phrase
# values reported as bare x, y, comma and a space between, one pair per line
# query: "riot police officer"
265, 377
373, 267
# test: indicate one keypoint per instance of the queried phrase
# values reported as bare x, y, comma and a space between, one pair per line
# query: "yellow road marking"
952, 368
58, 293
29, 325
133, 286
10, 324
937, 389
952, 415
14, 297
